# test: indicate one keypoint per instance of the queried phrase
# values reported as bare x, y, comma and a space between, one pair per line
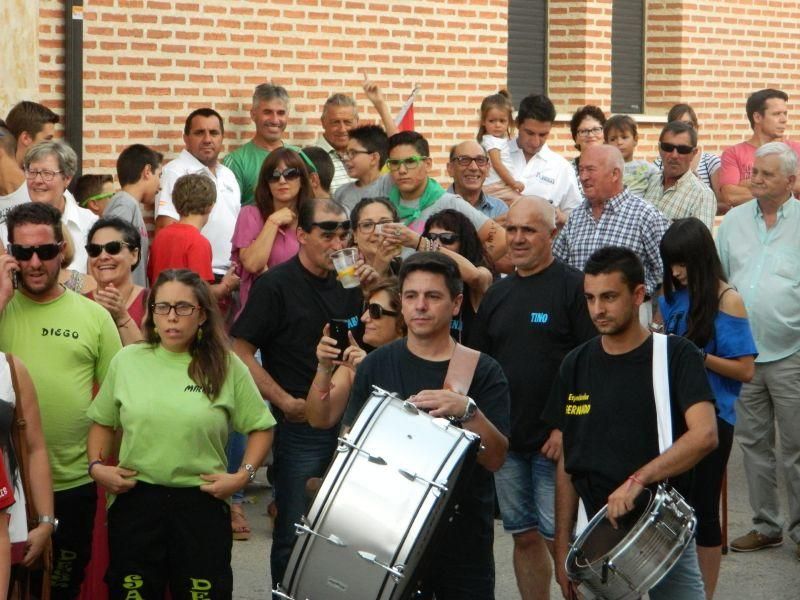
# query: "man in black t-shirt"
603, 400
285, 313
415, 367
528, 322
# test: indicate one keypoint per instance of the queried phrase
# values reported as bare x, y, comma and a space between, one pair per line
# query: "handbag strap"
661, 392
20, 442
461, 369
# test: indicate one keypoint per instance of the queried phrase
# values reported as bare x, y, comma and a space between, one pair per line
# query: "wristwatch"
49, 519
251, 472
469, 411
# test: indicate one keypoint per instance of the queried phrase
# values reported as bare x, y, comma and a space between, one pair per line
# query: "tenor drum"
388, 490
624, 563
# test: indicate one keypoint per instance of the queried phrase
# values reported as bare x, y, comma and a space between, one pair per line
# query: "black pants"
72, 543
159, 536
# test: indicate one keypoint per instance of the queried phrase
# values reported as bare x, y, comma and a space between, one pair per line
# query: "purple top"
248, 226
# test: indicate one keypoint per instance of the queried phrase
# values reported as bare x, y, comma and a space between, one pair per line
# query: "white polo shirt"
219, 229
546, 175
78, 221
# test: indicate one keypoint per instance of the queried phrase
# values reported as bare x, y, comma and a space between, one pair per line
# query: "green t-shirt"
172, 431
67, 345
245, 162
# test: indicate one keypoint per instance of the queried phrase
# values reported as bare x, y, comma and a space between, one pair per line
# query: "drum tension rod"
413, 476
344, 444
301, 528
396, 571
279, 593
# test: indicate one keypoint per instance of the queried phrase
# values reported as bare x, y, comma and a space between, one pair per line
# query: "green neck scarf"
433, 191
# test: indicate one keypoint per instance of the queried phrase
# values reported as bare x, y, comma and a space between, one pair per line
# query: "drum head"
603, 538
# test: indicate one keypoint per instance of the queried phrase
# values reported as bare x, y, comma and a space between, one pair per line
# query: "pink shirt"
737, 162
248, 226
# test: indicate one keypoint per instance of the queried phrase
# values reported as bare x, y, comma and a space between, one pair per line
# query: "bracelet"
324, 391
125, 323
321, 369
636, 480
92, 464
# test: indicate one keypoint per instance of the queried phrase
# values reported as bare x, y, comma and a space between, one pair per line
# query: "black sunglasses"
376, 311
332, 226
446, 237
289, 174
112, 248
682, 149
44, 251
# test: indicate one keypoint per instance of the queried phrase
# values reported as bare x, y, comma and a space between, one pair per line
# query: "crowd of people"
150, 375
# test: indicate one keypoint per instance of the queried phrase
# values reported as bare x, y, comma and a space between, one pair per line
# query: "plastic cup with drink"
344, 261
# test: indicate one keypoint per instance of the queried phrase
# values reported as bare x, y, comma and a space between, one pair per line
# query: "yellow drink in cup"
344, 261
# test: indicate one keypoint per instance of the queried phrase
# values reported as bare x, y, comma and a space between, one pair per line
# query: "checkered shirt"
688, 197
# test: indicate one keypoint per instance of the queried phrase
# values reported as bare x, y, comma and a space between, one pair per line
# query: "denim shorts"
526, 490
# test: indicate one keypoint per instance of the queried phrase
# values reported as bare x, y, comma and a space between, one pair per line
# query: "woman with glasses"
368, 218
265, 232
453, 234
699, 304
586, 127
169, 525
114, 252
383, 323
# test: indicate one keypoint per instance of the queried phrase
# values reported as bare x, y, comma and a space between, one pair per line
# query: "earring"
199, 334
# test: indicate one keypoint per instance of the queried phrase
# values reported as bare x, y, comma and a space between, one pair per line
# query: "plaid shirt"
627, 221
688, 197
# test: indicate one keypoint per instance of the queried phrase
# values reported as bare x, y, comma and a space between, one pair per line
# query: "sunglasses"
465, 161
446, 237
332, 226
376, 311
44, 251
668, 148
112, 248
412, 162
289, 174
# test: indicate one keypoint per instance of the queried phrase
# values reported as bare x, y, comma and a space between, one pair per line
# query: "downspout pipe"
73, 79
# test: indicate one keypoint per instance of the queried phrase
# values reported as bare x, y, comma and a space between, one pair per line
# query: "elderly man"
612, 216
758, 246
528, 322
202, 137
469, 167
678, 193
339, 115
270, 115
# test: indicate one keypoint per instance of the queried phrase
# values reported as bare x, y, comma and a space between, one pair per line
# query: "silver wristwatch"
49, 519
469, 411
251, 472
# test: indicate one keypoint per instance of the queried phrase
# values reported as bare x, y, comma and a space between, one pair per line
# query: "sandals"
239, 525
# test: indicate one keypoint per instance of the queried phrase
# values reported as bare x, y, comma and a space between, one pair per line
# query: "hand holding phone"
339, 329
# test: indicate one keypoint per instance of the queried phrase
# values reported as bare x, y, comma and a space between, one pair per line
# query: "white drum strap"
661, 392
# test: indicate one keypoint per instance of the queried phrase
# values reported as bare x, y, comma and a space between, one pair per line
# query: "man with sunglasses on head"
469, 167
678, 193
286, 310
203, 135
67, 342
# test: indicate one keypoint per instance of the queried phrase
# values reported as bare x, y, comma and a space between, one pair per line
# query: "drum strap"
461, 369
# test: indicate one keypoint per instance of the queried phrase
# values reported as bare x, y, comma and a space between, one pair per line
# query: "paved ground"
772, 574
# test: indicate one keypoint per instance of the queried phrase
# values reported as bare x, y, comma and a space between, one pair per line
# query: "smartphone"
339, 331
379, 229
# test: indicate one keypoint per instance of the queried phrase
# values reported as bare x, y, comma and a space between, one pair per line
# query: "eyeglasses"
376, 311
47, 174
44, 251
682, 149
289, 174
369, 226
412, 162
332, 226
590, 131
446, 237
182, 309
112, 248
351, 154
465, 161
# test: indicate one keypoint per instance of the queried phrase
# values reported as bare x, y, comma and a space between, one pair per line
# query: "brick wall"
148, 63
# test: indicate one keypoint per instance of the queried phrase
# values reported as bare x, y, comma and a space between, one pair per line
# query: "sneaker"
755, 541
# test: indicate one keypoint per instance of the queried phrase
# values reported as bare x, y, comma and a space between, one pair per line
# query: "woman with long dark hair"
454, 234
367, 220
175, 397
699, 304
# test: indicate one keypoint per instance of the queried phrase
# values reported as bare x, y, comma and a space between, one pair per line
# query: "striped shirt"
708, 165
688, 197
340, 176
627, 221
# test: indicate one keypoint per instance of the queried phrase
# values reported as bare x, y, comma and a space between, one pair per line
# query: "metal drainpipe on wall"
73, 80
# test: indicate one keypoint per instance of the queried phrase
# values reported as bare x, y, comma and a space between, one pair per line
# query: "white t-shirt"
490, 142
546, 175
219, 229
78, 222
15, 198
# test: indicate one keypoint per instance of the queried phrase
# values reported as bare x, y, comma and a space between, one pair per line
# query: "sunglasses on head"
112, 248
446, 237
376, 311
44, 251
682, 149
289, 174
332, 226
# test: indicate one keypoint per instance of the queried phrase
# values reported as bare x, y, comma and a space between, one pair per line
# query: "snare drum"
392, 480
624, 563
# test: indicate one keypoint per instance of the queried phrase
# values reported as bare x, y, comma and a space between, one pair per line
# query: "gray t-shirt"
124, 206
350, 194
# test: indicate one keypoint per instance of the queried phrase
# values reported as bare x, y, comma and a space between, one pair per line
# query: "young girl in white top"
494, 135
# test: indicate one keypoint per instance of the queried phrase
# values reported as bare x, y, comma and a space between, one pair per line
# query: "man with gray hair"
270, 115
339, 116
528, 322
758, 247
